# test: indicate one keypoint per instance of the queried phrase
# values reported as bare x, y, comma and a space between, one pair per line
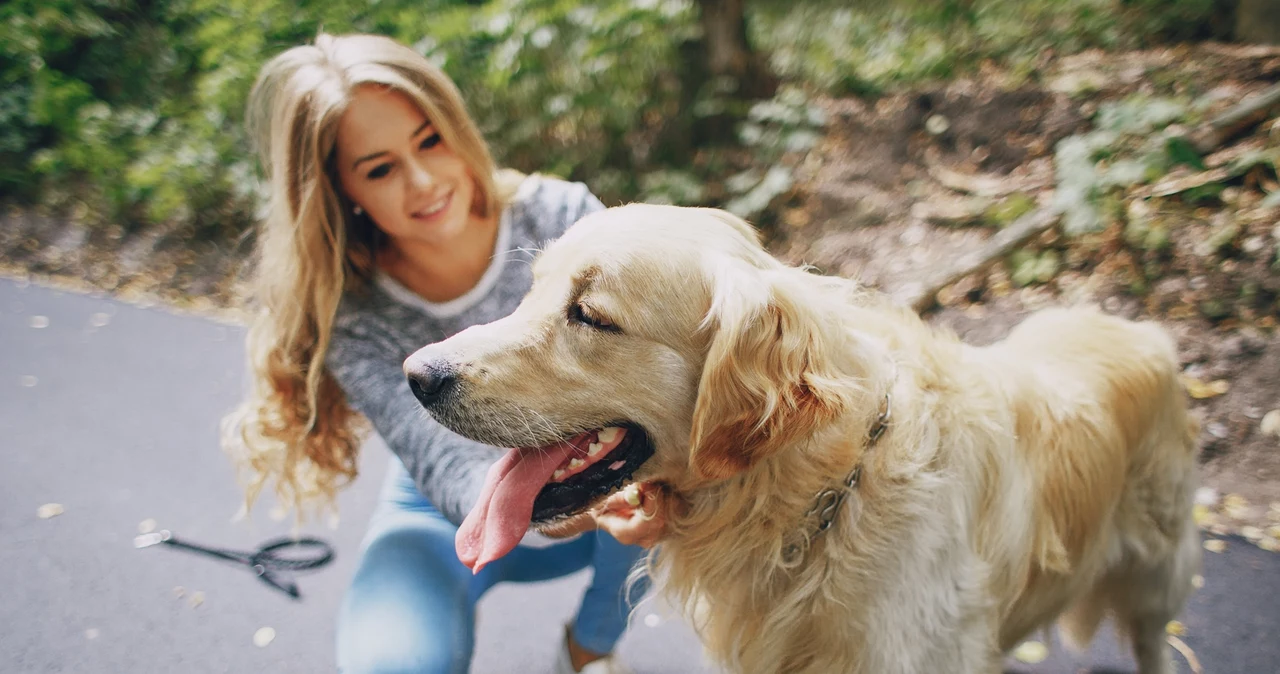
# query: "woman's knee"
407, 609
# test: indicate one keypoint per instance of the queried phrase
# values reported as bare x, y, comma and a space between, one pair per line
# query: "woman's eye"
379, 171
581, 314
430, 141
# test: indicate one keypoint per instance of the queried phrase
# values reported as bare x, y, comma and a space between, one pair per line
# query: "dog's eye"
580, 313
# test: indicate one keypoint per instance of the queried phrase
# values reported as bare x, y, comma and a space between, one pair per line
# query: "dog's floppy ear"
768, 378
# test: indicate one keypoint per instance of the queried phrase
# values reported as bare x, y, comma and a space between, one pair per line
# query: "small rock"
1215, 545
49, 510
1207, 496
1253, 244
937, 125
1271, 423
263, 637
1031, 652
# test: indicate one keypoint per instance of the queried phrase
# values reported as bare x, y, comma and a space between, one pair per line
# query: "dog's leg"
1150, 595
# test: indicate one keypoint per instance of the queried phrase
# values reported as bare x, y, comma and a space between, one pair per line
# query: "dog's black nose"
431, 381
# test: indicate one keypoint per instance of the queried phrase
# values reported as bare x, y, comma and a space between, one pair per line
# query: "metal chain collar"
826, 505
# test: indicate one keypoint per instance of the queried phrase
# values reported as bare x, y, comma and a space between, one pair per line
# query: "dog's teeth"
617, 465
608, 434
575, 464
594, 448
557, 475
632, 494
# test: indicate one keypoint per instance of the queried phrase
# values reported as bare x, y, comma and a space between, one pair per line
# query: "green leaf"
1181, 151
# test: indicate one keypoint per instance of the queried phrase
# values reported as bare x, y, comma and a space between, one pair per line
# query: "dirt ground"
890, 194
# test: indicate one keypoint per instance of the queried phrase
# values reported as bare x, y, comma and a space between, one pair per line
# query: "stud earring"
358, 211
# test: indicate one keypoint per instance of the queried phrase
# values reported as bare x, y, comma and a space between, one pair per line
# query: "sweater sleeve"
448, 468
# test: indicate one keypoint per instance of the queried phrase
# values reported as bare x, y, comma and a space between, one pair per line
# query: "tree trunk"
728, 52
1258, 21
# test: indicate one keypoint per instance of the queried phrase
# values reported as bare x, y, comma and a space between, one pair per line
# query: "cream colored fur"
1046, 478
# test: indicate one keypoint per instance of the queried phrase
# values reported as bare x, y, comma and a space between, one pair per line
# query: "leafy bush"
137, 110
132, 110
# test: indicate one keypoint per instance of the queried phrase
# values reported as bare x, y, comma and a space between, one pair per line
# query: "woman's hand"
636, 515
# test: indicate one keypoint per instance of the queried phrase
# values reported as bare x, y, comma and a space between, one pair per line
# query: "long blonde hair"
295, 427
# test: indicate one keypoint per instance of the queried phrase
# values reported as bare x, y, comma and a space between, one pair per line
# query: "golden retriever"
1045, 478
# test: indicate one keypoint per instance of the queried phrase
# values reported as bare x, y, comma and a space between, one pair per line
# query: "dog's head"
671, 324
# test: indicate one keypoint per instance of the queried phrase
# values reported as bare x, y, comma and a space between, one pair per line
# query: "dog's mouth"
601, 462
537, 485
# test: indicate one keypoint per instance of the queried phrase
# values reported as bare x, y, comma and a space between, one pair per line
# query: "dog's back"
1104, 436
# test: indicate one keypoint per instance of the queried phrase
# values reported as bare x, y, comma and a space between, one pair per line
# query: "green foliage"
138, 110
787, 123
864, 47
1133, 142
132, 110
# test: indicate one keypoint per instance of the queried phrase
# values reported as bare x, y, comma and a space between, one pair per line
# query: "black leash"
266, 561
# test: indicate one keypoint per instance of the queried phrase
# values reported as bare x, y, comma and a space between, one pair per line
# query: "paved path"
111, 410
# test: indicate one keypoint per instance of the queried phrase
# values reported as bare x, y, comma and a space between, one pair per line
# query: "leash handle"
264, 562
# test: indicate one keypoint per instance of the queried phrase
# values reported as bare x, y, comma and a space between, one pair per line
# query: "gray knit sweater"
378, 328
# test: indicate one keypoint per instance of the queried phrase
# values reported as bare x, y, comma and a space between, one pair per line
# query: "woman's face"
393, 164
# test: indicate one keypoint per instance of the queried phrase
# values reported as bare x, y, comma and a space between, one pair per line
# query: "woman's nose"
420, 174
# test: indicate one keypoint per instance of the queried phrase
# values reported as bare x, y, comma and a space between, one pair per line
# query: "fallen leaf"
146, 526
1253, 534
1197, 581
1235, 506
1031, 652
1215, 545
48, 510
1176, 628
264, 636
1200, 390
197, 598
1202, 515
1187, 653
1178, 182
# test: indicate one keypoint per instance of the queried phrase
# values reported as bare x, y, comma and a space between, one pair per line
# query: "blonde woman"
388, 228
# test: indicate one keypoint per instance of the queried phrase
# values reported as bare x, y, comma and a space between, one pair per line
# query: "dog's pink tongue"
501, 516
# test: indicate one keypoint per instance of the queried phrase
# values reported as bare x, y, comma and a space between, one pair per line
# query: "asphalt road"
111, 410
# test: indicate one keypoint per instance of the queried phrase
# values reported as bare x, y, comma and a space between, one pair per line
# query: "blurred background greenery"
130, 112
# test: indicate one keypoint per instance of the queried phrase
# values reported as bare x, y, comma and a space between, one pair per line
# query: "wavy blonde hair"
295, 427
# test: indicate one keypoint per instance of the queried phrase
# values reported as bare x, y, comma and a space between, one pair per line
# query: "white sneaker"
605, 665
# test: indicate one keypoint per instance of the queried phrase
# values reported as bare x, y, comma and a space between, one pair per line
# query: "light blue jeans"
411, 606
